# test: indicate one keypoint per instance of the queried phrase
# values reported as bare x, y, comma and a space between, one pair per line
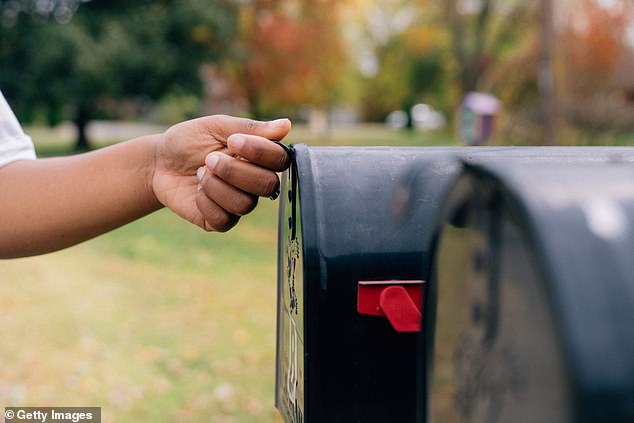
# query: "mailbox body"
531, 307
339, 225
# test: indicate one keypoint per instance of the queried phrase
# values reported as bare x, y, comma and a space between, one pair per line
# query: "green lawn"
156, 321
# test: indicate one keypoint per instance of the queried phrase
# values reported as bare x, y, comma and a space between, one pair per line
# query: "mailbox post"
530, 309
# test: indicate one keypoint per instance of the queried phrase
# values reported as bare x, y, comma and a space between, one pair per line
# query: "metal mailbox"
350, 282
529, 314
358, 231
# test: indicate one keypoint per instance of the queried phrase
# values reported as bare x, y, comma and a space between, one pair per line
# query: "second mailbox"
529, 313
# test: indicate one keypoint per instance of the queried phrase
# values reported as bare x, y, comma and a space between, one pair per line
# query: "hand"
211, 170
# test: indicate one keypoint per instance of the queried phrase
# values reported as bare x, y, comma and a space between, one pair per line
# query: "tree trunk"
82, 117
546, 75
407, 106
470, 60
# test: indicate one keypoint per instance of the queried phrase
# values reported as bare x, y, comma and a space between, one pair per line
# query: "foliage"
108, 50
411, 70
79, 59
290, 53
435, 51
484, 34
598, 66
595, 44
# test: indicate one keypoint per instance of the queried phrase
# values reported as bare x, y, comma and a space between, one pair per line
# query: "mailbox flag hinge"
399, 301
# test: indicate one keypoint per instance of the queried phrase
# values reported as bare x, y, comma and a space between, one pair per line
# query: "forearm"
49, 204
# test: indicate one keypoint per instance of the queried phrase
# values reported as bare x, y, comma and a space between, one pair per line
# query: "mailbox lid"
349, 193
347, 196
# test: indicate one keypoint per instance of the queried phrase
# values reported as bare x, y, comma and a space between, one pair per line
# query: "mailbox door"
289, 392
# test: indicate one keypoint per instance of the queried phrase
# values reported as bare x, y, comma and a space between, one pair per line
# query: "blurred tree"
483, 33
546, 76
290, 53
410, 69
596, 44
401, 56
596, 54
69, 57
497, 47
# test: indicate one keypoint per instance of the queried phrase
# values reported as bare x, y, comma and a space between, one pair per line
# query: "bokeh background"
158, 321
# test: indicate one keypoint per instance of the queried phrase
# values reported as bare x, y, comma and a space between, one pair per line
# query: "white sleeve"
14, 143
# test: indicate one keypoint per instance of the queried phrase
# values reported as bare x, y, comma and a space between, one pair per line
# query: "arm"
49, 204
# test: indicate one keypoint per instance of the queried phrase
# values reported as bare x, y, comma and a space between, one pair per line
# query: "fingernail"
199, 187
279, 122
201, 172
211, 160
275, 194
237, 141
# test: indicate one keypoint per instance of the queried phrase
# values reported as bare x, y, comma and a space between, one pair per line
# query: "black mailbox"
357, 238
350, 281
529, 313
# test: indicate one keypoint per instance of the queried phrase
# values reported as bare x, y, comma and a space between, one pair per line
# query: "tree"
411, 68
507, 47
546, 73
598, 65
400, 53
483, 34
70, 64
290, 53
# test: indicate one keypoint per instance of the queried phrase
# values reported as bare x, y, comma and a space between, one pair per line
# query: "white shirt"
14, 143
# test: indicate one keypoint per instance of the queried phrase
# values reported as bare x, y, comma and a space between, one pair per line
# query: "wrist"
151, 148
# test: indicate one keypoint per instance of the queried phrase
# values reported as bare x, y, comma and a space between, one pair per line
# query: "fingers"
229, 187
223, 126
231, 199
220, 203
259, 150
243, 175
215, 217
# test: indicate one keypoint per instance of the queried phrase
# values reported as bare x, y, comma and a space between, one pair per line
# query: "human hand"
211, 170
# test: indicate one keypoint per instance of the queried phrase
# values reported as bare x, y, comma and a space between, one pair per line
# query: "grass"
156, 321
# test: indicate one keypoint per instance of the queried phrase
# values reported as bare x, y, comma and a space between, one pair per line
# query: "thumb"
222, 126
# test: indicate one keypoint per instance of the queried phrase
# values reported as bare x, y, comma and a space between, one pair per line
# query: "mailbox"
529, 312
350, 280
358, 230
